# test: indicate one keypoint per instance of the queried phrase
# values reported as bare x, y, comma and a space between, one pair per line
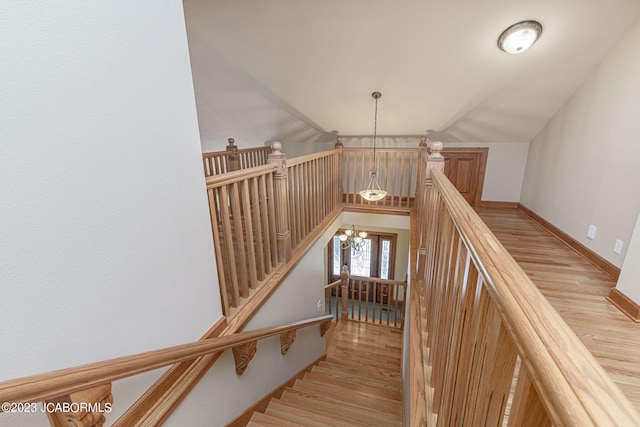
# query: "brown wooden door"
465, 168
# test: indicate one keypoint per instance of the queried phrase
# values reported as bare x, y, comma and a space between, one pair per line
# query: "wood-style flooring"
577, 290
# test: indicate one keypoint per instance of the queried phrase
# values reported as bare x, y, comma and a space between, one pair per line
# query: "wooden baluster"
283, 234
526, 408
222, 280
92, 404
344, 277
233, 157
255, 203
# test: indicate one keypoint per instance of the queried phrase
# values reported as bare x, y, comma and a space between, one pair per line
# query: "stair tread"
355, 384
356, 397
266, 420
353, 375
308, 418
358, 368
325, 405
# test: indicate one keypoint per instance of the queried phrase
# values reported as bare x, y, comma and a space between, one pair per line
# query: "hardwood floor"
359, 383
577, 290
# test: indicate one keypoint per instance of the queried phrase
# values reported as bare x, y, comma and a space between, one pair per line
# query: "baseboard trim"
609, 269
498, 205
243, 419
624, 304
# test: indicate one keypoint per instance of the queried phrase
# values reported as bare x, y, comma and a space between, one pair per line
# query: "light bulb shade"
348, 232
343, 237
362, 234
373, 195
519, 37
357, 240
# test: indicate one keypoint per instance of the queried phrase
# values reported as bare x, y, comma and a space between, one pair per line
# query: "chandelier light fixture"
353, 238
519, 37
373, 192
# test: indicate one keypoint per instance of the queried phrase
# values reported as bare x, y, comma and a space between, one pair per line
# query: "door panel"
465, 168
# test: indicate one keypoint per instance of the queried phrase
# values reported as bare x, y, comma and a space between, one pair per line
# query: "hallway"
577, 290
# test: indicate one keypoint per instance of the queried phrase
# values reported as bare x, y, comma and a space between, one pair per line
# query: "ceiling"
302, 70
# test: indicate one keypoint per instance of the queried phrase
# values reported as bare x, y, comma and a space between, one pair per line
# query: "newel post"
434, 161
234, 156
344, 277
423, 154
281, 188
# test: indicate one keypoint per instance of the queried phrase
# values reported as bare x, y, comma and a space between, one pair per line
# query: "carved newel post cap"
436, 146
231, 141
276, 147
339, 142
345, 270
423, 141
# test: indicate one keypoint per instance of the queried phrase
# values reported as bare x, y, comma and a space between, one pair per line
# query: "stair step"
307, 418
374, 390
325, 405
360, 398
358, 377
367, 370
264, 420
372, 359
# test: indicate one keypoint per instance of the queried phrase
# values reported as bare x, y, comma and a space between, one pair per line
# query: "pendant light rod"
376, 96
373, 192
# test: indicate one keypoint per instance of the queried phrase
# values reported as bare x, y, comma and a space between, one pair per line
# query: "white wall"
105, 240
584, 166
221, 395
629, 281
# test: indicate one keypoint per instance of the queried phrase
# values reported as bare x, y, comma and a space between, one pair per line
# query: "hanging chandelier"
373, 192
353, 238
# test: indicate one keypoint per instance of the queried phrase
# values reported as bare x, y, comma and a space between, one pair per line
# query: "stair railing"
371, 299
58, 389
233, 159
487, 326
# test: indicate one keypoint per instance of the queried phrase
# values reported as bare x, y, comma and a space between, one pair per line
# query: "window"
376, 258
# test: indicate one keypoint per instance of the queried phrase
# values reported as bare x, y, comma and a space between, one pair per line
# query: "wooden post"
339, 184
344, 276
434, 161
234, 156
281, 199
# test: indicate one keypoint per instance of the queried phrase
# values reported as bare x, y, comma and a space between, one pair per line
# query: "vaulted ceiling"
304, 70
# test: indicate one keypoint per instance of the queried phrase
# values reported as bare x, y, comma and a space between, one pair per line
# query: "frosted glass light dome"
519, 37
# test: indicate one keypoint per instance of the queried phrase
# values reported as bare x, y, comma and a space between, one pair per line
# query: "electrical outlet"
618, 247
592, 232
319, 305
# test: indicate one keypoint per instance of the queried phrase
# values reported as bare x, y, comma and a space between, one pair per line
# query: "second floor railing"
233, 159
479, 325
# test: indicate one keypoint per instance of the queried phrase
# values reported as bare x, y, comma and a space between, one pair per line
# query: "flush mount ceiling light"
373, 193
519, 37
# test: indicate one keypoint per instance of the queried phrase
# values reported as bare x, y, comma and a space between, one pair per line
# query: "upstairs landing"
577, 290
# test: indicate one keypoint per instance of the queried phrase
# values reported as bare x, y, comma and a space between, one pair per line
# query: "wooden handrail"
239, 175
57, 383
377, 279
573, 387
302, 159
333, 284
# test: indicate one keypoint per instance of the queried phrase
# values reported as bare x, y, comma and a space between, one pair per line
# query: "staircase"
358, 384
